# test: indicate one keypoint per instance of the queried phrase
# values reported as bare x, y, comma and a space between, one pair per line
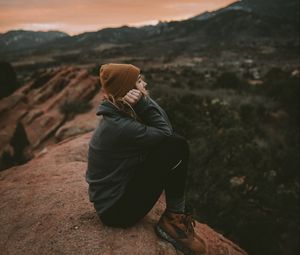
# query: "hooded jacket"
119, 144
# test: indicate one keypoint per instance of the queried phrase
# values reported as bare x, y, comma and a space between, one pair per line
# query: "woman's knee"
177, 143
168, 153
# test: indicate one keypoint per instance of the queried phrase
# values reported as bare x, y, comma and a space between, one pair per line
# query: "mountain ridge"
234, 30
23, 39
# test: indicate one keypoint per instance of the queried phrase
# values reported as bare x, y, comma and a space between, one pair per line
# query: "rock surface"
37, 108
45, 210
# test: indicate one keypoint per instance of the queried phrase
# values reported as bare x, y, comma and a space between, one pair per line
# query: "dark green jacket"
118, 145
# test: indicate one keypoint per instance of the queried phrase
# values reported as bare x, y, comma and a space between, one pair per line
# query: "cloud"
77, 15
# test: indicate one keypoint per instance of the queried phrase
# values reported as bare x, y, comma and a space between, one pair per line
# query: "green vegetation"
71, 108
244, 165
8, 79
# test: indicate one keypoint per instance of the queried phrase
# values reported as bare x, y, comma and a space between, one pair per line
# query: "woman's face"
140, 83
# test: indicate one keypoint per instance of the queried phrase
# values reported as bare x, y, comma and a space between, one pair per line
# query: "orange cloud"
78, 16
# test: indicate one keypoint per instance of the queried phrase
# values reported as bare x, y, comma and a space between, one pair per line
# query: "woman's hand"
133, 96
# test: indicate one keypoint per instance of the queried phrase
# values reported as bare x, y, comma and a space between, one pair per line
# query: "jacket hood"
107, 108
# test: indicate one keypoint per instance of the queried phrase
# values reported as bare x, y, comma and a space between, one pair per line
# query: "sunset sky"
77, 16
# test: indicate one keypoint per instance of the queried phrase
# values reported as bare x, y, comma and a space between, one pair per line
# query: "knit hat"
118, 79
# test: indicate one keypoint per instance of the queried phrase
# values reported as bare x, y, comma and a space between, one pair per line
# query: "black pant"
152, 177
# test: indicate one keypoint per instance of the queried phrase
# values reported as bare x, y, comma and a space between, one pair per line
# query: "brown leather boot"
178, 229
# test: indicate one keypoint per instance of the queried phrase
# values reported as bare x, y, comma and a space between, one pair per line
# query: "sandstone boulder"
45, 210
38, 108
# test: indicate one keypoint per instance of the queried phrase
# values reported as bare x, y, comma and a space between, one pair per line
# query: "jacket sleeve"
162, 111
144, 135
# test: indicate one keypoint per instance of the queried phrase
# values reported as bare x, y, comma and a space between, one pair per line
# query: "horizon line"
136, 25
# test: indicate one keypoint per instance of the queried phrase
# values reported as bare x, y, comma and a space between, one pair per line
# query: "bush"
285, 89
71, 108
243, 173
8, 80
229, 80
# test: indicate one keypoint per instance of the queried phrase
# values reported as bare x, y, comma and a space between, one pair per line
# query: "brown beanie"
118, 79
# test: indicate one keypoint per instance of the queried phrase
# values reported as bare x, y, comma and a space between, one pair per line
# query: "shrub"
285, 89
229, 80
243, 175
71, 108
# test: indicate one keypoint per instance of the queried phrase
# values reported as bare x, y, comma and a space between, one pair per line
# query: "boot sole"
177, 245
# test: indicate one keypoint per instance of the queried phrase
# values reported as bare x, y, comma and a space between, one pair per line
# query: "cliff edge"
45, 210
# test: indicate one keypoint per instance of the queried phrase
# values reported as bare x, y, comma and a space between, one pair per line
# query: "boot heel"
164, 235
168, 238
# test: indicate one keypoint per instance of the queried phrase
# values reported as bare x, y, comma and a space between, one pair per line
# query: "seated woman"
134, 156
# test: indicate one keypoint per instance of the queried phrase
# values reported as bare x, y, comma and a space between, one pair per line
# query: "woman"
134, 155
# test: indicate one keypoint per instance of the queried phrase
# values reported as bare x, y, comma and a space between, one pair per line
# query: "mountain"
247, 25
284, 9
23, 39
280, 9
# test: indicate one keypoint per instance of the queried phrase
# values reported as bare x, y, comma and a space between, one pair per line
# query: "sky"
78, 16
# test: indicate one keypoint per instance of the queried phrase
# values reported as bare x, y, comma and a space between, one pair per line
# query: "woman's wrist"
141, 105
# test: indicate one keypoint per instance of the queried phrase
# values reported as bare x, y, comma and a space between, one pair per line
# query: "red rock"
36, 105
81, 124
43, 126
45, 210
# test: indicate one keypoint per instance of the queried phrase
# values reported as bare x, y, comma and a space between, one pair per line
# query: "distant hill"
246, 25
280, 9
23, 39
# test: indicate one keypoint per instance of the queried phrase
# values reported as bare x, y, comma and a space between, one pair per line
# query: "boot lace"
189, 222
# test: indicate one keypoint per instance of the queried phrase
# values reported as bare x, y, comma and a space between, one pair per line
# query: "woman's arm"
146, 135
162, 111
